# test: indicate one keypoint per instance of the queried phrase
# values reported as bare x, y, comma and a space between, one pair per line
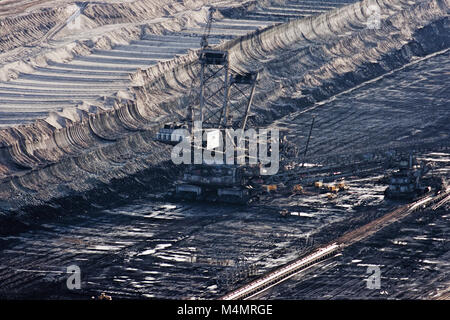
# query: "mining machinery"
215, 110
405, 181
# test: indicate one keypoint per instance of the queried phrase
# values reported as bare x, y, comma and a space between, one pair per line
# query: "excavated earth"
84, 86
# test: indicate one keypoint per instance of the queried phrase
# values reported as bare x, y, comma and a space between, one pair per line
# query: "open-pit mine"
93, 95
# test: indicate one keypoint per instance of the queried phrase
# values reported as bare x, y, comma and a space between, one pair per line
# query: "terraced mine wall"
300, 63
16, 31
311, 59
30, 27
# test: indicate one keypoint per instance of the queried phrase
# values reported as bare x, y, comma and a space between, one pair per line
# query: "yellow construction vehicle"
343, 186
333, 188
271, 187
331, 196
297, 189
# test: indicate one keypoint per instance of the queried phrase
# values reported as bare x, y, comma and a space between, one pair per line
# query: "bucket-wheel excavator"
218, 108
